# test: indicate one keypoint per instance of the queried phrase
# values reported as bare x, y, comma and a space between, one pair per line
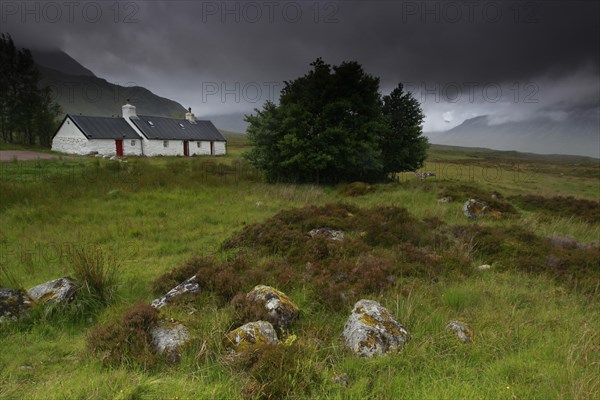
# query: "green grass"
534, 336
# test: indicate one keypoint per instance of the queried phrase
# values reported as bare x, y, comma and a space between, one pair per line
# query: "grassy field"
536, 327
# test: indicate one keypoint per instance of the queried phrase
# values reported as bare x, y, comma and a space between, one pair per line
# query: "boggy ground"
534, 314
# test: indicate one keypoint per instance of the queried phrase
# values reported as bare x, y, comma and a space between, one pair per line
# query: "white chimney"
128, 110
190, 116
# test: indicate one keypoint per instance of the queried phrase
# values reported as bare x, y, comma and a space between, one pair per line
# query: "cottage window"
133, 142
166, 143
199, 144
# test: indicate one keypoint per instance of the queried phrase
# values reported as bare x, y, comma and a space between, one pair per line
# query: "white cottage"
138, 135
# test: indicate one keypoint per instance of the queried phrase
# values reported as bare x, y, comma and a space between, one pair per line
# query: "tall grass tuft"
8, 279
97, 272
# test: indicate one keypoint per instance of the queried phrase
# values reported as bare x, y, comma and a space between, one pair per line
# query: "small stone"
250, 334
13, 303
281, 309
327, 232
61, 290
474, 208
484, 267
446, 199
372, 330
168, 338
341, 379
424, 175
189, 286
462, 331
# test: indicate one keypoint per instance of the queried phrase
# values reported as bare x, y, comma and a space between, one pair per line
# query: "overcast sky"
512, 60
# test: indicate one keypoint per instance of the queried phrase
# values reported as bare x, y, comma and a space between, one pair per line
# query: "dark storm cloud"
177, 47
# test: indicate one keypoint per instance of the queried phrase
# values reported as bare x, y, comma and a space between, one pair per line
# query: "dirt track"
22, 155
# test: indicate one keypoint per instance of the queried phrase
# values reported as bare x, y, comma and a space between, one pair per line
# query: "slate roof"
103, 127
162, 128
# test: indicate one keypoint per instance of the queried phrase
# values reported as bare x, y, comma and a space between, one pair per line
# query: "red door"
186, 148
119, 144
212, 148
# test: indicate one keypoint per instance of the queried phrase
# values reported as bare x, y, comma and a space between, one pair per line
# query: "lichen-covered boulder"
250, 334
13, 303
281, 309
463, 332
372, 330
168, 337
61, 290
189, 286
474, 208
329, 233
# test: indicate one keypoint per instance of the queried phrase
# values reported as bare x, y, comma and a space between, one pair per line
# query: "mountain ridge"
577, 134
79, 91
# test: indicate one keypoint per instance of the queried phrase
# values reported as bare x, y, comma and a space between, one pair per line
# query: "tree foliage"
27, 111
332, 125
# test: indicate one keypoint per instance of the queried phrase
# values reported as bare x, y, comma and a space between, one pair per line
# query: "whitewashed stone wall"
220, 148
203, 150
156, 148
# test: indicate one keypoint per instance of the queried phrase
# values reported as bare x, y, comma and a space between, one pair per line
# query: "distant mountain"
60, 61
79, 91
578, 134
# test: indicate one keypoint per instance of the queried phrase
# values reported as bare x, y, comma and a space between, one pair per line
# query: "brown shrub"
515, 247
587, 210
273, 372
356, 189
127, 342
169, 280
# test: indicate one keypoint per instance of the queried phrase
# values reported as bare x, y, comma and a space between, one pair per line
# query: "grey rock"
424, 175
341, 379
168, 338
250, 334
462, 331
13, 303
446, 199
484, 267
281, 309
372, 330
189, 286
61, 290
473, 208
329, 233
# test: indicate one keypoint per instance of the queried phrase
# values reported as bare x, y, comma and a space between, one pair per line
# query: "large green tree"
332, 125
27, 111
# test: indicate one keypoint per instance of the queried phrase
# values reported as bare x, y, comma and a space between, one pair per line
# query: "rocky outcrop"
189, 286
168, 338
473, 208
13, 303
372, 330
462, 331
329, 233
250, 334
281, 309
61, 290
